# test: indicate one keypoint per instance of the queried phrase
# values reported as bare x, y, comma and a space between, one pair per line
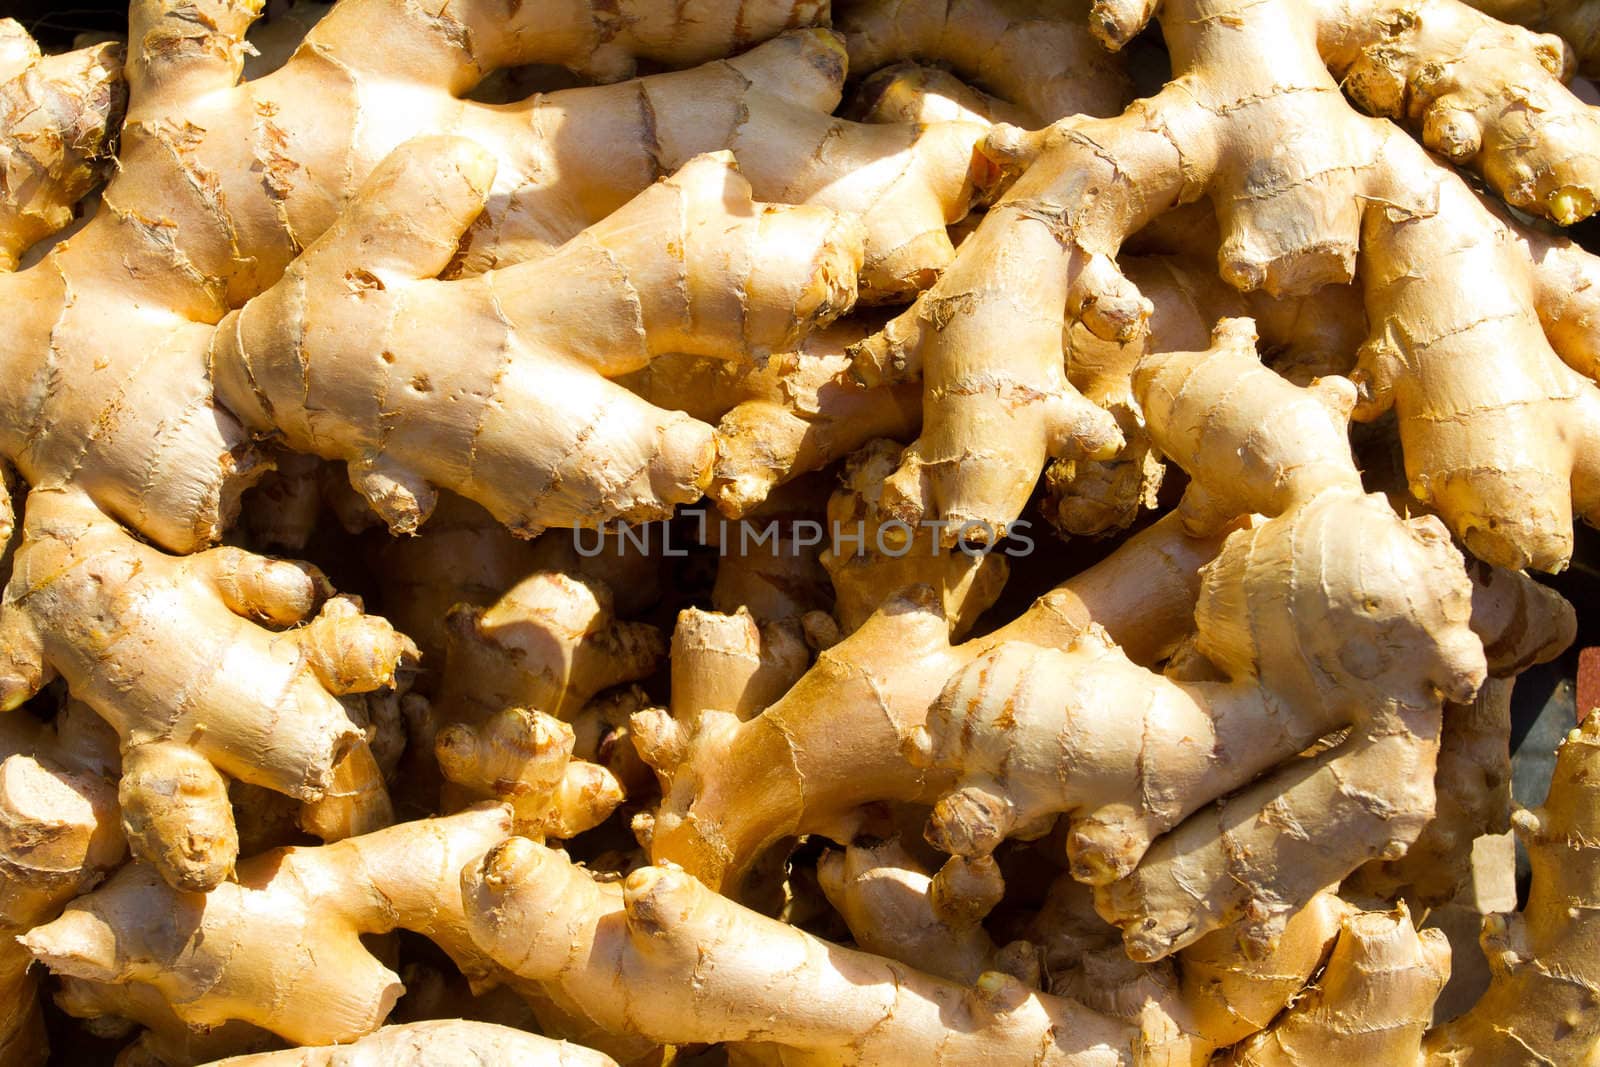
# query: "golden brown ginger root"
220, 186
1035, 54
1372, 1003
213, 957
832, 743
524, 758
244, 692
1541, 1005
799, 412
427, 1044
1485, 95
550, 642
1452, 291
935, 924
911, 92
1574, 21
1302, 617
537, 434
59, 117
663, 958
59, 835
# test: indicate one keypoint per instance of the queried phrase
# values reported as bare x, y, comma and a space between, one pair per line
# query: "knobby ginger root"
663, 957
428, 1043
1325, 589
211, 957
690, 265
1450, 287
260, 694
1035, 54
833, 742
221, 185
58, 118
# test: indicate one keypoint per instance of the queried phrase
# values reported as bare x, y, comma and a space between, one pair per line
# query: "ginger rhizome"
1450, 284
419, 293
255, 682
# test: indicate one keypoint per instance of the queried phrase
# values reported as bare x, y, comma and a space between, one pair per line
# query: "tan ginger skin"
185, 236
1375, 998
262, 692
1505, 459
217, 957
598, 304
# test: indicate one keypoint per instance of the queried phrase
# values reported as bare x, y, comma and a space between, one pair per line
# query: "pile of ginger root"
789, 533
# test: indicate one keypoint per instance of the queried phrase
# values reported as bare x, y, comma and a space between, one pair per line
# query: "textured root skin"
58, 837
800, 412
87, 601
59, 116
1541, 1004
1035, 54
550, 643
1483, 94
427, 1043
1575, 23
834, 741
210, 206
525, 759
547, 440
895, 909
254, 932
1294, 214
692, 973
1354, 569
910, 92
1372, 1003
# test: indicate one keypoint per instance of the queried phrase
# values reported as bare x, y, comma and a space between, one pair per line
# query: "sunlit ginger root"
688, 960
221, 185
59, 117
1352, 569
428, 1043
833, 742
248, 691
240, 951
799, 412
1035, 54
691, 265
1505, 458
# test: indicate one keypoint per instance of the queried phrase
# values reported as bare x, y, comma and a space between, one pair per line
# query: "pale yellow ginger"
1450, 287
524, 758
1302, 338
247, 692
1541, 1004
59, 835
426, 1044
1035, 54
691, 265
1372, 1003
662, 958
799, 412
221, 185
1574, 21
1481, 93
911, 92
1300, 618
551, 642
894, 908
279, 946
59, 117
833, 742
